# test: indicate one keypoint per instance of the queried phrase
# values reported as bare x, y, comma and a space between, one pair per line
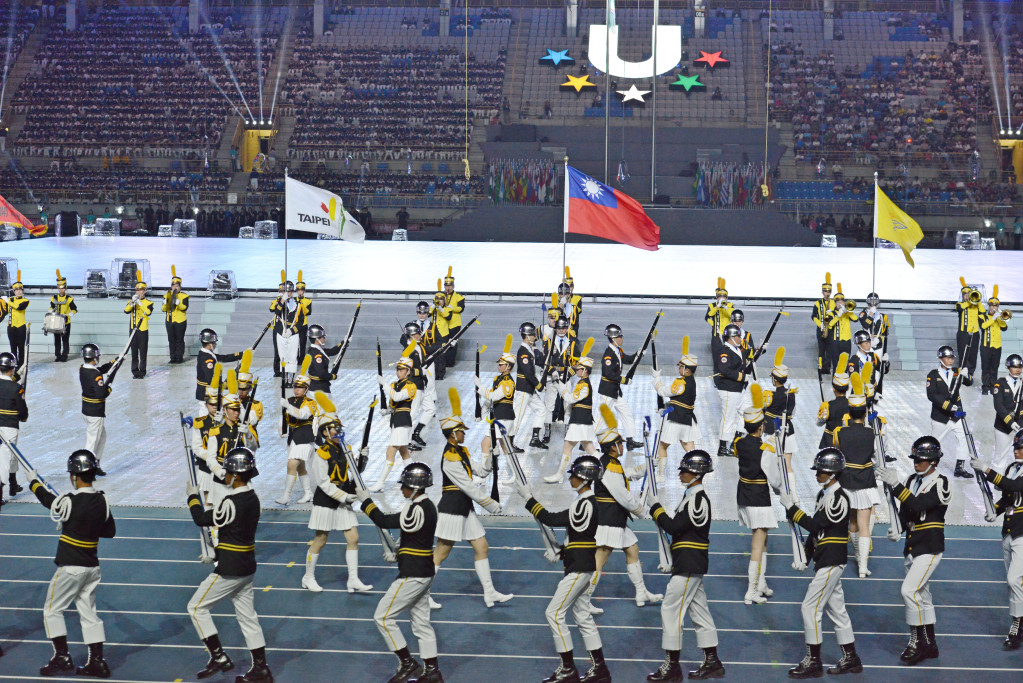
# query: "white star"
633, 93
592, 188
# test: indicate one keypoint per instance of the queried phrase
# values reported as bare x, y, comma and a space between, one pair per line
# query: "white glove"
1014, 426
787, 500
988, 517
638, 472
979, 465
653, 499
523, 490
135, 298
284, 403
349, 498
476, 380
884, 357
381, 381
888, 475
893, 535
799, 566
656, 374
364, 451
362, 494
190, 489
493, 507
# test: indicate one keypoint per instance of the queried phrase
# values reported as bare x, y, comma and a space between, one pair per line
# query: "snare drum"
54, 323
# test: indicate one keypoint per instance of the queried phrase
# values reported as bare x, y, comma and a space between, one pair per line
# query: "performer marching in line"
943, 387
993, 322
451, 313
305, 309
719, 313
332, 500
574, 303
578, 399
856, 441
299, 412
822, 310
201, 427
435, 330
579, 560
139, 309
609, 390
236, 518
833, 413
924, 500
400, 395
84, 517
424, 404
865, 354
680, 425
690, 551
456, 519
828, 528
839, 324
527, 402
780, 405
730, 381
206, 360
320, 375
17, 330
563, 347
874, 322
63, 304
499, 398
175, 306
417, 521
968, 310
13, 411
287, 315
1010, 504
1008, 407
94, 402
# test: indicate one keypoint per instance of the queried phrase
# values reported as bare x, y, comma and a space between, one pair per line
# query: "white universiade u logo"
669, 52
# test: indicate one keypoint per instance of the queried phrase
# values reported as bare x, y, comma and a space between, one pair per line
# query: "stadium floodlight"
120, 209
987, 222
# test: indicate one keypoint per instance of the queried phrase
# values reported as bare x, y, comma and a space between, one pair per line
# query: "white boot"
354, 585
662, 464
379, 485
752, 594
309, 580
558, 474
593, 586
862, 556
854, 539
308, 497
288, 485
643, 596
433, 603
762, 587
490, 594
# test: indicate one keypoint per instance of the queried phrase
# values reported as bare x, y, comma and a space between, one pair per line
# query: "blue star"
557, 57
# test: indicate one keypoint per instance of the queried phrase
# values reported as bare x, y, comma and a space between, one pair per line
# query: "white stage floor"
598, 269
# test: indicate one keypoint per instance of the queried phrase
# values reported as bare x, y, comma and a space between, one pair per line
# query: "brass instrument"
1005, 315
850, 306
974, 296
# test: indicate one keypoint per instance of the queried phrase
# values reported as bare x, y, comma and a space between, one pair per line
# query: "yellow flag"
895, 225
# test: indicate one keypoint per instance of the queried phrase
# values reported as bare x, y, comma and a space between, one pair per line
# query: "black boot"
546, 440
632, 445
14, 490
2, 501
535, 441
810, 666
1015, 637
849, 663
408, 668
711, 667
598, 671
916, 649
930, 642
415, 435
563, 674
723, 451
96, 666
219, 661
670, 671
888, 458
961, 470
259, 672
61, 662
515, 449
431, 674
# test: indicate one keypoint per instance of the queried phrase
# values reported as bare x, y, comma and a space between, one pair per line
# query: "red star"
712, 58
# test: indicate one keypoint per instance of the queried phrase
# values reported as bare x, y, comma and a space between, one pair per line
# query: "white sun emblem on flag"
592, 188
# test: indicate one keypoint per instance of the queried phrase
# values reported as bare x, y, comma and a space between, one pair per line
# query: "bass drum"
54, 323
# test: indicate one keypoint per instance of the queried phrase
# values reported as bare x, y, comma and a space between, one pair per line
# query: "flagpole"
653, 109
873, 245
285, 219
607, 93
564, 228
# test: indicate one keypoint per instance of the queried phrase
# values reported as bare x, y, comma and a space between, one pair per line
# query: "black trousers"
60, 343
277, 355
176, 340
990, 359
822, 353
449, 359
967, 348
139, 352
303, 334
16, 336
836, 349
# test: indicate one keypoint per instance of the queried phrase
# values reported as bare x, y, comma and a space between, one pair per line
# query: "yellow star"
578, 83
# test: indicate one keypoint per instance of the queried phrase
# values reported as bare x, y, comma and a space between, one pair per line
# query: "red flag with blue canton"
593, 208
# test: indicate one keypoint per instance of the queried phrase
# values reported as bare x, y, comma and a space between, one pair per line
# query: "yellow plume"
19, 275
685, 345
994, 292
843, 363
299, 276
58, 274
449, 271
962, 281
138, 275
283, 277
867, 373
779, 355
174, 271
554, 300
857, 384
246, 361
483, 348
508, 344
608, 416
456, 401
215, 382
757, 396
839, 287
324, 402
721, 283
827, 278
305, 365
440, 287
568, 273
408, 349
587, 346
232, 382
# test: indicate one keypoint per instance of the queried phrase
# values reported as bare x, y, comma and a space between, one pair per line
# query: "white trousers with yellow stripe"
1012, 551
95, 435
77, 585
6, 455
732, 404
411, 594
214, 589
685, 593
532, 405
916, 589
572, 593
824, 594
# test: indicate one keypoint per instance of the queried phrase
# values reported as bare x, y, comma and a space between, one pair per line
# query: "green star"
688, 82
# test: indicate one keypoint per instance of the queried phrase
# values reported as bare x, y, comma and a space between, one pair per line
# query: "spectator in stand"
1017, 232
402, 217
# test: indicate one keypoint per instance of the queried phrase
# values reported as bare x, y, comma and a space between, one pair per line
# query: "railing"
913, 208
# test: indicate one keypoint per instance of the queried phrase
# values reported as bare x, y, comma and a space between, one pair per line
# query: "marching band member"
780, 402
287, 316
968, 310
235, 518
828, 527
332, 499
865, 354
823, 308
435, 330
579, 560
17, 331
13, 411
690, 551
451, 314
201, 427
400, 395
924, 500
499, 398
252, 410
91, 375
943, 385
1008, 407
526, 401
839, 324
1010, 504
139, 309
563, 348
305, 309
175, 306
730, 381
299, 412
874, 322
417, 521
856, 441
574, 303
578, 399
224, 437
992, 323
424, 404
456, 520
719, 312
609, 390
834, 413
63, 304
680, 424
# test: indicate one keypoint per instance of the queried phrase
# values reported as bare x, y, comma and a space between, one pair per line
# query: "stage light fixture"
987, 222
120, 209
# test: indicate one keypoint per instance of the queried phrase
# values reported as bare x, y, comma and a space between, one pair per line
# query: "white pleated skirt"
324, 519
757, 517
457, 528
615, 537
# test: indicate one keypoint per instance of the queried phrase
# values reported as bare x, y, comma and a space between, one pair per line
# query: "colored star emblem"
712, 58
578, 83
689, 82
557, 57
633, 93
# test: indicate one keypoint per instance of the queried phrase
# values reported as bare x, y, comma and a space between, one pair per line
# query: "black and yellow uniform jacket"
175, 307
1011, 502
924, 502
689, 529
94, 389
417, 521
88, 520
13, 409
580, 524
828, 528
236, 519
139, 312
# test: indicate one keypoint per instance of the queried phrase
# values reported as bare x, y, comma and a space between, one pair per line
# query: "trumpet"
974, 296
850, 306
1005, 315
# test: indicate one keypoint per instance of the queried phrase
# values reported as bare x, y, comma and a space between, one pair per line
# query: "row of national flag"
724, 184
523, 181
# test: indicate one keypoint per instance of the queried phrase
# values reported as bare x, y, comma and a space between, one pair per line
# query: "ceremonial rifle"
552, 549
390, 547
799, 560
479, 407
880, 455
450, 341
347, 340
206, 555
109, 379
494, 493
25, 463
663, 540
364, 447
262, 334
243, 423
653, 358
380, 374
759, 351
28, 351
639, 355
880, 382
985, 488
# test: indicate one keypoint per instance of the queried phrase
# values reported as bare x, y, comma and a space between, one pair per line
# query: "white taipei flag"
313, 209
